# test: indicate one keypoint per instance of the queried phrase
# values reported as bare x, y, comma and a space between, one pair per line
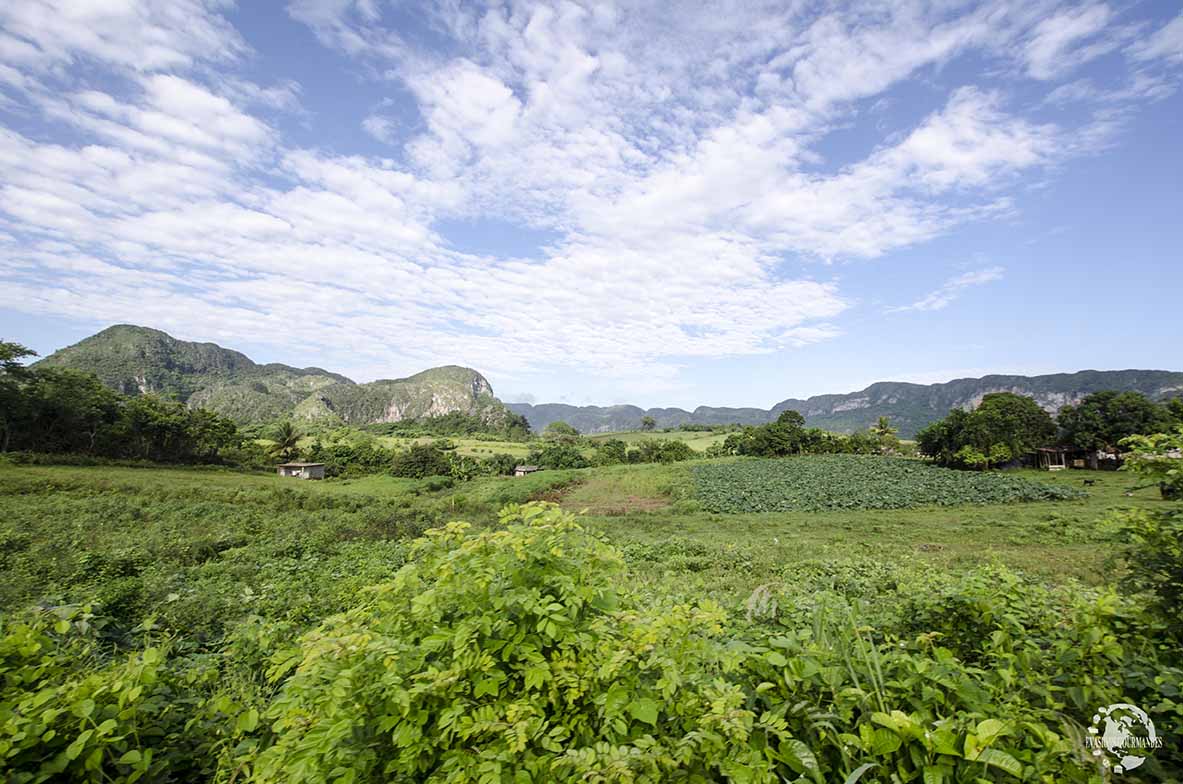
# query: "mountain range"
139, 360
136, 360
909, 406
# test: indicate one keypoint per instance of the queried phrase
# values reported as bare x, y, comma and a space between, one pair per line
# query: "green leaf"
131, 757
1001, 760
486, 686
247, 721
644, 710
776, 658
988, 730
884, 742
854, 777
800, 757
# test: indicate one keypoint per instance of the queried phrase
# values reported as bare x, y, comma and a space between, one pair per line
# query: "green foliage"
514, 656
511, 427
422, 460
557, 454
1158, 459
611, 452
660, 451
1103, 419
64, 411
285, 440
1154, 555
352, 458
648, 423
1003, 427
855, 482
531, 649
560, 431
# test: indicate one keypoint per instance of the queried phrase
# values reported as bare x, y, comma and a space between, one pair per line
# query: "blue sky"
723, 204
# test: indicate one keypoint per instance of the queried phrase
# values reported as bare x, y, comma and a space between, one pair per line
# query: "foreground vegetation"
209, 625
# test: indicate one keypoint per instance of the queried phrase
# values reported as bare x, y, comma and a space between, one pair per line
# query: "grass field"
650, 510
66, 530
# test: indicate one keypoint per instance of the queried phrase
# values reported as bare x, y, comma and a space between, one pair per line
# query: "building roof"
526, 468
300, 465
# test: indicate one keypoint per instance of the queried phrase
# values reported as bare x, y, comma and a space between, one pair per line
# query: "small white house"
302, 470
522, 470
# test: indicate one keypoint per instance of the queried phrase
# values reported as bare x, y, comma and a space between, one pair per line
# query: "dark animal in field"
1090, 481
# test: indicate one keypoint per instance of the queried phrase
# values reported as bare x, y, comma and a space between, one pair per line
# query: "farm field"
70, 530
823, 482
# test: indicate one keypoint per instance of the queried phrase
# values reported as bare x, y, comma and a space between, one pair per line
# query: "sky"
660, 204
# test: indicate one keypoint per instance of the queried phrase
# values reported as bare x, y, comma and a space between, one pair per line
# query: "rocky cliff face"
138, 360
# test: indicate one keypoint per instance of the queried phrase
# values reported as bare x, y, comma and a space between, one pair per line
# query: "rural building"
302, 470
522, 470
1057, 458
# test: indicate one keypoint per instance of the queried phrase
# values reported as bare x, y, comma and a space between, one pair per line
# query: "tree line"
60, 410
1004, 427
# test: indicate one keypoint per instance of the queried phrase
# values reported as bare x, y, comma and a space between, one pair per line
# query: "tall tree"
1101, 420
12, 403
286, 440
648, 423
1003, 426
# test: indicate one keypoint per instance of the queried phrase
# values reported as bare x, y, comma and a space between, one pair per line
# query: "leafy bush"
522, 654
1154, 555
855, 482
557, 454
420, 461
512, 655
1158, 459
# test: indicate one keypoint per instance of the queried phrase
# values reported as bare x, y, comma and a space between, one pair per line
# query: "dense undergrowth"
517, 652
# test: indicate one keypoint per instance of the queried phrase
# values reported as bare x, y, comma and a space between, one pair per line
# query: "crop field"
822, 482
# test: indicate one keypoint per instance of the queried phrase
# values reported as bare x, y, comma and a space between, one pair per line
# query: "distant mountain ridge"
909, 406
136, 360
139, 360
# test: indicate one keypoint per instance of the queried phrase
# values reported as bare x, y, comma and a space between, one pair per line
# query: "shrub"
420, 461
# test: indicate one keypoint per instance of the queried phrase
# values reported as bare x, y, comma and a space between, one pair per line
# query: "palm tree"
885, 434
883, 428
287, 440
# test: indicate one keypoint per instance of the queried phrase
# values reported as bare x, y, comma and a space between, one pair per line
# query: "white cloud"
1166, 43
952, 289
1058, 43
141, 36
676, 159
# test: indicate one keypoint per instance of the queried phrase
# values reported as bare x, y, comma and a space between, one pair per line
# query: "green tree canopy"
560, 431
1003, 426
1103, 419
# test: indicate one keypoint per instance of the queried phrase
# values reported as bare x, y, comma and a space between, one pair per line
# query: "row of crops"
821, 482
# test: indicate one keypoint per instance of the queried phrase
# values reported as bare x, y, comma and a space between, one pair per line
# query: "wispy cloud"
952, 289
677, 158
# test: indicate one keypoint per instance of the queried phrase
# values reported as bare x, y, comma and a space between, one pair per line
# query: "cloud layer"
677, 157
